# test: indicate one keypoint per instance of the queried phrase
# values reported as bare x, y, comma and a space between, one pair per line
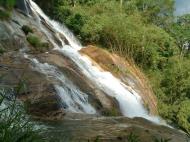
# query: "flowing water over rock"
72, 98
127, 99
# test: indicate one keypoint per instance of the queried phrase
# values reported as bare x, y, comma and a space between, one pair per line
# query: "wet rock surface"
111, 129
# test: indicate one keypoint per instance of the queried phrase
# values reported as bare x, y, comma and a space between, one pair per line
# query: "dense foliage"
5, 8
14, 124
144, 31
8, 3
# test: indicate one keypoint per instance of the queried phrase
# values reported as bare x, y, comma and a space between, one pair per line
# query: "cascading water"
129, 101
72, 98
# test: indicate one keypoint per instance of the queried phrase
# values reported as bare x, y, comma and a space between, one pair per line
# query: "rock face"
125, 71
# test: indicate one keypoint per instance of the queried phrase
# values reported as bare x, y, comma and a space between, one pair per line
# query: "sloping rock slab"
113, 129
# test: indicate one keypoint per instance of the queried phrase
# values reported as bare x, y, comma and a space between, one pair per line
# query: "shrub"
37, 43
183, 115
132, 138
14, 125
34, 40
26, 29
8, 3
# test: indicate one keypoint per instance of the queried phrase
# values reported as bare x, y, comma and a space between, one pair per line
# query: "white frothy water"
129, 101
72, 99
58, 28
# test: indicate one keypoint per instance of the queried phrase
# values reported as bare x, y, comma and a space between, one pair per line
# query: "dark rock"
23, 6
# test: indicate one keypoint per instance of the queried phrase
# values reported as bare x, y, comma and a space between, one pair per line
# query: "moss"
111, 112
34, 41
26, 29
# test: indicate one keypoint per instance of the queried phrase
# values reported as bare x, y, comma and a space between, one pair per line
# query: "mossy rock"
36, 42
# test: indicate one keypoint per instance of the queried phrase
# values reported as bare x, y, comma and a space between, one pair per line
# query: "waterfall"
72, 98
129, 101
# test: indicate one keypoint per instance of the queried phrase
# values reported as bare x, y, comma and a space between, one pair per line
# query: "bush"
14, 125
132, 138
34, 40
8, 3
183, 116
26, 29
37, 43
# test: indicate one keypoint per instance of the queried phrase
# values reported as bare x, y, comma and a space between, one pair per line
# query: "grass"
34, 40
37, 43
9, 4
14, 124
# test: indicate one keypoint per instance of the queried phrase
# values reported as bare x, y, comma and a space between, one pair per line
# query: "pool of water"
182, 7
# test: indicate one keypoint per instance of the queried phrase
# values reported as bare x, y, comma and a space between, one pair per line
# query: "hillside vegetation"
145, 32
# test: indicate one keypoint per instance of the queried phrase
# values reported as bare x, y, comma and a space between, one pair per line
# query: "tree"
180, 30
183, 115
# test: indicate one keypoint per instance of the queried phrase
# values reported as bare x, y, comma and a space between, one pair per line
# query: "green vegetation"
26, 29
37, 43
14, 124
5, 8
34, 40
144, 31
132, 138
7, 3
